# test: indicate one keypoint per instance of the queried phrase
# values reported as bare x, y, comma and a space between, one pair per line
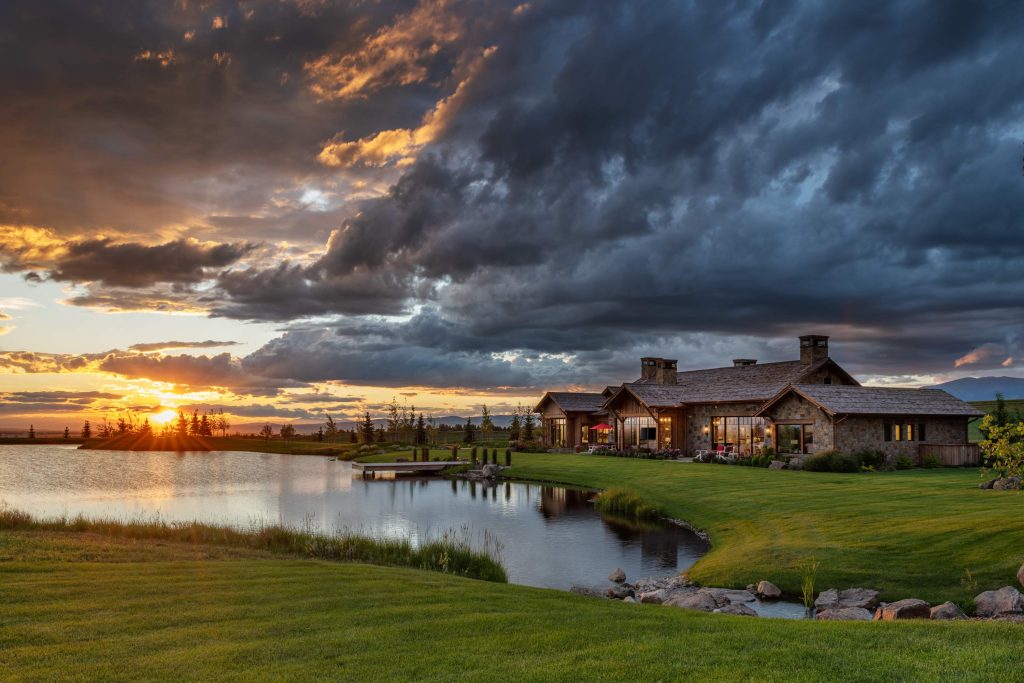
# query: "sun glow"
164, 416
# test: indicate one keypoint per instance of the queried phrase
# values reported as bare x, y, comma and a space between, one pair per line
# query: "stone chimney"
813, 347
743, 362
648, 368
661, 370
666, 371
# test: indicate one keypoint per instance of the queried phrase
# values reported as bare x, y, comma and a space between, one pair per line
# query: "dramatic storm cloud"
496, 195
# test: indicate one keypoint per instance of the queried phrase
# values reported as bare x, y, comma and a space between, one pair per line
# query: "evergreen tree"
467, 436
320, 434
145, 427
367, 428
1000, 414
204, 426
182, 423
86, 430
381, 436
527, 425
421, 430
31, 432
193, 424
67, 433
516, 427
352, 437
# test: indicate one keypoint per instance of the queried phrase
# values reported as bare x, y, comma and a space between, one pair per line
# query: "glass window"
908, 432
792, 438
744, 434
556, 432
639, 432
665, 432
585, 434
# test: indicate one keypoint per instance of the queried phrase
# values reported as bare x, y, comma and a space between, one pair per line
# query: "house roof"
846, 400
574, 401
751, 383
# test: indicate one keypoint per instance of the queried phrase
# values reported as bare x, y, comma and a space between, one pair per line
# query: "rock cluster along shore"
852, 604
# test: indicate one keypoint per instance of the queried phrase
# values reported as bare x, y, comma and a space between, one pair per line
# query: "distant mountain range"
983, 388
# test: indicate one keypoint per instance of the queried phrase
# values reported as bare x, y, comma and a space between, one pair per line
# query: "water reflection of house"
660, 544
799, 406
556, 501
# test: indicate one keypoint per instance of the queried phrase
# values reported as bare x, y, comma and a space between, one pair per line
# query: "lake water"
551, 536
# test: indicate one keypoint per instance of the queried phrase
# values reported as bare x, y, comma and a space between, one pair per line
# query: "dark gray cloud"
702, 180
164, 346
136, 265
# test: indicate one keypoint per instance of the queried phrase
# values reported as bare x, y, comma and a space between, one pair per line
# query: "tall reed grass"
453, 552
626, 503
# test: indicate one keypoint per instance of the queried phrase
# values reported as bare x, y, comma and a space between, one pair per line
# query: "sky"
292, 208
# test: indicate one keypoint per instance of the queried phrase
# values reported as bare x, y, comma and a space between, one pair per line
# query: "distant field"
135, 442
1013, 406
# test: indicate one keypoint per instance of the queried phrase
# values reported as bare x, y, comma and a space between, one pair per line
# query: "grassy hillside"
909, 534
1014, 406
227, 617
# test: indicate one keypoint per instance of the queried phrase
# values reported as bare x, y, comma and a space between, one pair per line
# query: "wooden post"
508, 457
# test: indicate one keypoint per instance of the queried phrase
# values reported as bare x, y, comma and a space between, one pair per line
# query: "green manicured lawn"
271, 619
908, 534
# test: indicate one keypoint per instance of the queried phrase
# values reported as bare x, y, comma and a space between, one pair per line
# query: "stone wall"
857, 433
795, 409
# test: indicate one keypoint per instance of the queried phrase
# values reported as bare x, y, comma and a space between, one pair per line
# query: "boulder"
629, 599
1020, 575
702, 600
947, 611
655, 597
767, 589
728, 595
1007, 484
619, 592
843, 614
863, 598
910, 608
489, 471
1006, 600
618, 576
739, 610
987, 484
777, 465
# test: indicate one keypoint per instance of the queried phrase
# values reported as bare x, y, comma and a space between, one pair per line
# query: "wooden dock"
405, 467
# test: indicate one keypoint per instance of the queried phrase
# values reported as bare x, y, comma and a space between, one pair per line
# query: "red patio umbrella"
602, 426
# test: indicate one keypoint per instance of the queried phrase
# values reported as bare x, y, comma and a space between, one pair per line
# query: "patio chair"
725, 453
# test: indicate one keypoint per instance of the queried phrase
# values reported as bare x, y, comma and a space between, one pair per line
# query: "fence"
951, 455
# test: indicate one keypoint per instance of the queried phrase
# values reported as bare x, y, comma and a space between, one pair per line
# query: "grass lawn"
137, 442
246, 618
908, 534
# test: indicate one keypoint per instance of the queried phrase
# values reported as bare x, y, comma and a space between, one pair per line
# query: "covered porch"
641, 426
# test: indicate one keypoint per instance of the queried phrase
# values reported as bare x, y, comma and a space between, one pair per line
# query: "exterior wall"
793, 410
857, 433
699, 416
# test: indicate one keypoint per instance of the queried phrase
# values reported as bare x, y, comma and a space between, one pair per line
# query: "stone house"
749, 406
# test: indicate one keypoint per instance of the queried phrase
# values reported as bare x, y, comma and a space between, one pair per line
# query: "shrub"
817, 463
904, 463
832, 461
870, 457
930, 461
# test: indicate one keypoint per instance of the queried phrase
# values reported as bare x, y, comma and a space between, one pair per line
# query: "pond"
550, 536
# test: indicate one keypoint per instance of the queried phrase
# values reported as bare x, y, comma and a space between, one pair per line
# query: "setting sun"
164, 416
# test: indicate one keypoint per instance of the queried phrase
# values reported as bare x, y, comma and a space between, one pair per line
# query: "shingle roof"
752, 383
577, 401
846, 400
